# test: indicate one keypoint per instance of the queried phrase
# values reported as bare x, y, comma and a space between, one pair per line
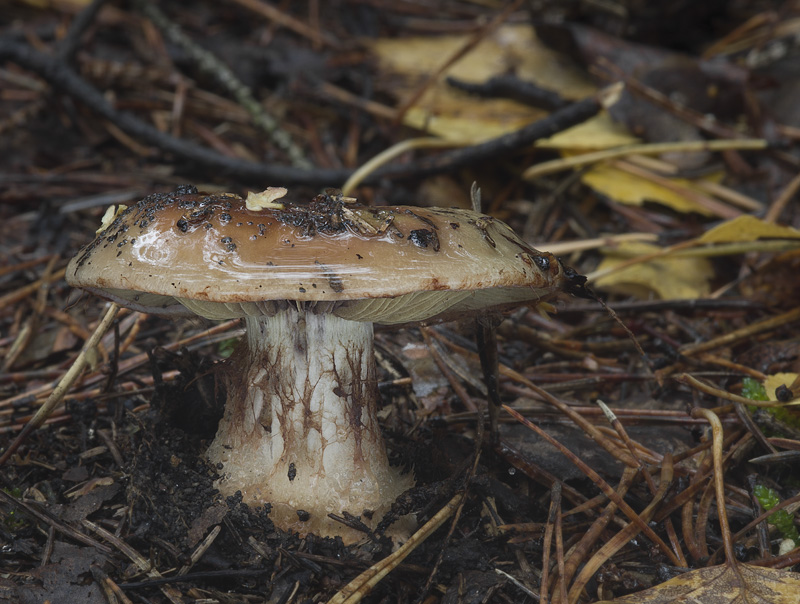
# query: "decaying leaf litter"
675, 194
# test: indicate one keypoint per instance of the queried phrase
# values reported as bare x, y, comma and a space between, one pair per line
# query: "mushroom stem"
300, 429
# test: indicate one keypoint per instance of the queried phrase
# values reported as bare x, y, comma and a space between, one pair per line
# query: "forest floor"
661, 161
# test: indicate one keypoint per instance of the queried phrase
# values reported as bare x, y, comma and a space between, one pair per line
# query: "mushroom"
300, 428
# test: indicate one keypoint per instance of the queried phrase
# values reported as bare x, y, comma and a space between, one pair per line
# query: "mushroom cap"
207, 253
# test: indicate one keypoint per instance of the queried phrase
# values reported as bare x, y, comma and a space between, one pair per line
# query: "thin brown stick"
599, 482
64, 385
128, 364
353, 592
13, 268
590, 538
112, 591
619, 541
535, 473
285, 20
562, 582
719, 485
749, 331
590, 429
780, 203
612, 72
26, 290
701, 519
441, 363
33, 509
555, 505
687, 526
617, 424
143, 564
688, 493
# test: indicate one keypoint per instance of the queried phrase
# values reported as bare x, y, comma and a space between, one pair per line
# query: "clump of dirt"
170, 484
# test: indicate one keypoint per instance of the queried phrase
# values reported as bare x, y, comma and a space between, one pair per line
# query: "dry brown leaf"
725, 584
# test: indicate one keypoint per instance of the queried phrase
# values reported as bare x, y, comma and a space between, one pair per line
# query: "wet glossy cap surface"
185, 249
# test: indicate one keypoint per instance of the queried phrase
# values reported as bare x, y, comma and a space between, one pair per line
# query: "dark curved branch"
508, 86
501, 146
59, 75
63, 77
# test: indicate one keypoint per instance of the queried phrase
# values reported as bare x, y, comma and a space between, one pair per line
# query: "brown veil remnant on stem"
300, 428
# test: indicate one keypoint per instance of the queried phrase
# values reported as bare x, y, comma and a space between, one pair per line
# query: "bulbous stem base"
300, 429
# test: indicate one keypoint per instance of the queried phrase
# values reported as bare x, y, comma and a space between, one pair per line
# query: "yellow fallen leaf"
730, 583
469, 121
775, 381
600, 132
747, 228
406, 63
666, 277
634, 190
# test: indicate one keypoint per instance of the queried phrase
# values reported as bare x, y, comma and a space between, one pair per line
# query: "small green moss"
754, 390
782, 520
786, 415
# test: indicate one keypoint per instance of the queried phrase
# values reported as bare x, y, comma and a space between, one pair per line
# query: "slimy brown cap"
212, 255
